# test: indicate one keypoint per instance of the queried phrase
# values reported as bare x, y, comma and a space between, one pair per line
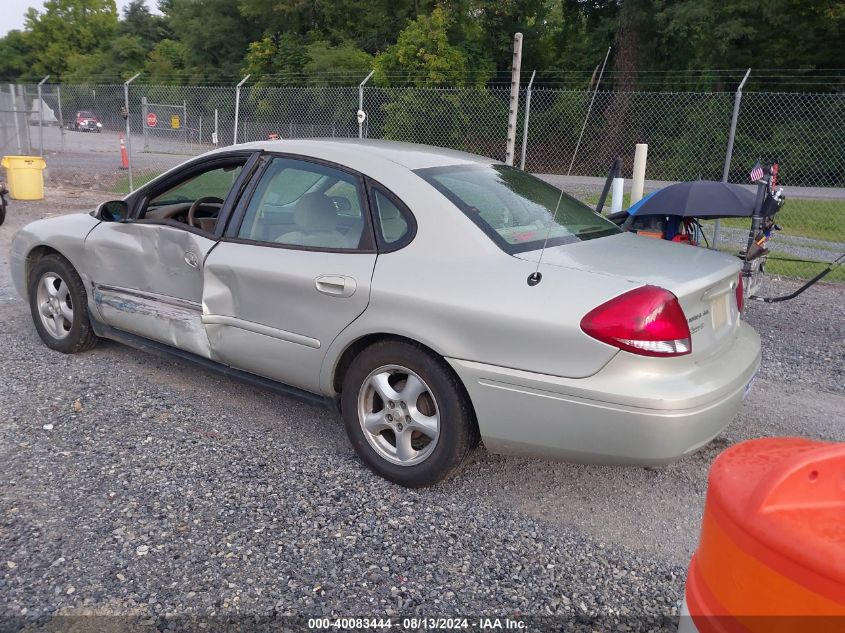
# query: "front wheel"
59, 306
406, 414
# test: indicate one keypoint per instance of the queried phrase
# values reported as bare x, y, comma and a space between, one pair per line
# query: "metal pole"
185, 121
216, 138
514, 102
525, 123
238, 107
730, 151
61, 116
361, 103
590, 109
145, 110
15, 116
41, 118
128, 128
26, 133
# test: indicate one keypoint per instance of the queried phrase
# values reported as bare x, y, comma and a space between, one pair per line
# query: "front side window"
517, 210
213, 183
196, 199
298, 203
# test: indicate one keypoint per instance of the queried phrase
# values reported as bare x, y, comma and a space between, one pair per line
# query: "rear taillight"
648, 321
739, 294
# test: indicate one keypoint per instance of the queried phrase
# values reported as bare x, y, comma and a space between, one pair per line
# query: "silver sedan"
434, 297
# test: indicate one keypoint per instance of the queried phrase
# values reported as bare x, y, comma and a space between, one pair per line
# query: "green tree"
215, 34
166, 62
15, 55
423, 56
68, 28
340, 63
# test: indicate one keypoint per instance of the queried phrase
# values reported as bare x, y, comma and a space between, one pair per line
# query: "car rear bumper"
636, 410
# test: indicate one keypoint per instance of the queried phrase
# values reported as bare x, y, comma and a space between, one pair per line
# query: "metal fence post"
730, 151
129, 129
41, 118
15, 117
26, 133
361, 104
144, 131
238, 107
61, 116
525, 122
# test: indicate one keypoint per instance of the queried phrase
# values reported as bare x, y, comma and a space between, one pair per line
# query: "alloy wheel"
399, 415
55, 305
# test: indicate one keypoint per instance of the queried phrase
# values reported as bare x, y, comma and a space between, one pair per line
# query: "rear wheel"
59, 307
406, 414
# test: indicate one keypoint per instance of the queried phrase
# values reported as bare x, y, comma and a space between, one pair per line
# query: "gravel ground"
139, 486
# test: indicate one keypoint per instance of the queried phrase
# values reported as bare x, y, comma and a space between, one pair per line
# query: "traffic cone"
771, 558
124, 157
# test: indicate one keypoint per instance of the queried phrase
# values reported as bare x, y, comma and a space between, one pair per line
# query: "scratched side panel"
153, 317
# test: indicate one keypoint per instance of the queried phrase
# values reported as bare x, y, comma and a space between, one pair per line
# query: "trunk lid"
704, 281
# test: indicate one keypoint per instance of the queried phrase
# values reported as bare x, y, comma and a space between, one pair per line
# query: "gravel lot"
140, 486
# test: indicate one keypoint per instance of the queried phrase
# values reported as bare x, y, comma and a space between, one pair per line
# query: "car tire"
59, 306
422, 392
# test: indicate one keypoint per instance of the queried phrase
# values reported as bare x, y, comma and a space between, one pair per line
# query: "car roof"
352, 151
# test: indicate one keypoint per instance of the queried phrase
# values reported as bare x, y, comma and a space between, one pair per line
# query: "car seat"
316, 220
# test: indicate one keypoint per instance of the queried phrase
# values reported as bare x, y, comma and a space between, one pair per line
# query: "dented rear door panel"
264, 311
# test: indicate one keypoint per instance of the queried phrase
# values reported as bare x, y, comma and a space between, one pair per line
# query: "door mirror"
112, 211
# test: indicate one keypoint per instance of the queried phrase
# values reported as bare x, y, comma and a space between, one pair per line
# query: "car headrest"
315, 212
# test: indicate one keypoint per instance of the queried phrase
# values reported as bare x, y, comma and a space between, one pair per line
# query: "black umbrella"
700, 199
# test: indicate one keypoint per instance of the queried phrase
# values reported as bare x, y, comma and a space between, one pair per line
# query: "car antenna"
535, 277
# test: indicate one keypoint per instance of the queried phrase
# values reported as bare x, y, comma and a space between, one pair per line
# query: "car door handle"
192, 260
335, 285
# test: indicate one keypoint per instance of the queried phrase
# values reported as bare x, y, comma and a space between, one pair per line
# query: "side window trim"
374, 186
236, 220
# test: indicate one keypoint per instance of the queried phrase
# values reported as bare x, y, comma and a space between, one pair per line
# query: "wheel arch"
37, 253
354, 348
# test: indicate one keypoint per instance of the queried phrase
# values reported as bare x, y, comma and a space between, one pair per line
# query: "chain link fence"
687, 134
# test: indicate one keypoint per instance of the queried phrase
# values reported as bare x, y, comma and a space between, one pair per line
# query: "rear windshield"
517, 210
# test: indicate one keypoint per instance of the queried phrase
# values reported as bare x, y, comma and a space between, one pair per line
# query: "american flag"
756, 172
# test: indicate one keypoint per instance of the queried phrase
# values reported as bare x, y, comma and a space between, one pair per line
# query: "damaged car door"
147, 271
292, 271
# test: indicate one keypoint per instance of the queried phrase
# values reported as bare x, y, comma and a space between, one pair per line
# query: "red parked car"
87, 122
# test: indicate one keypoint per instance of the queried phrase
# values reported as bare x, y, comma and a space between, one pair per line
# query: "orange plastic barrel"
772, 551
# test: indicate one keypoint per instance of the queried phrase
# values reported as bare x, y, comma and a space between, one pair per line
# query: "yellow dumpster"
25, 175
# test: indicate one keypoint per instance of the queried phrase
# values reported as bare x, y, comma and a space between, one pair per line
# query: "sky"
14, 10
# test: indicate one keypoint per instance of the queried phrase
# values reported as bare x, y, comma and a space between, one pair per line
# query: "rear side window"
393, 224
517, 210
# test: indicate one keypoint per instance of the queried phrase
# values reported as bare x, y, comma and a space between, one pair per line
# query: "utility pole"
514, 103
